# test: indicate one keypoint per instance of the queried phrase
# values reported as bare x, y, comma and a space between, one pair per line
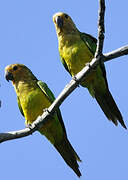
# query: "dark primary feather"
69, 155
109, 107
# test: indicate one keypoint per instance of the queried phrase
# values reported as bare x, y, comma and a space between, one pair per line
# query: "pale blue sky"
27, 35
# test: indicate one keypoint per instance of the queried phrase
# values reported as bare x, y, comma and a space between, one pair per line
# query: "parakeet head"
18, 72
63, 23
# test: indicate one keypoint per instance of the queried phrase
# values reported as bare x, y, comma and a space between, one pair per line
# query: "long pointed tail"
109, 107
69, 155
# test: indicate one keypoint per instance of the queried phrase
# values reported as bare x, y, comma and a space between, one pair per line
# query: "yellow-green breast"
75, 53
33, 101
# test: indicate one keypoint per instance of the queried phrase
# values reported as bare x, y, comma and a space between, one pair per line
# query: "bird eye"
66, 16
15, 68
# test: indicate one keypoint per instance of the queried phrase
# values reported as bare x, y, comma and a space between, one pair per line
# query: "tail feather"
109, 107
69, 155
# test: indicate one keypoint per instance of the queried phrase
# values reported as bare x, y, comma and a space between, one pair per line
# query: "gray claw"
75, 79
88, 64
46, 110
28, 126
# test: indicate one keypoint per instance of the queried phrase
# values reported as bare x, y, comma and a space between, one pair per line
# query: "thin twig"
116, 53
101, 29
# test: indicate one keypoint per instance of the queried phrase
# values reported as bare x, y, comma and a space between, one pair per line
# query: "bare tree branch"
41, 120
116, 53
101, 29
15, 134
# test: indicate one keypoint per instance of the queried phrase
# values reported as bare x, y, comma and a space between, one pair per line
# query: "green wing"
19, 105
90, 41
43, 86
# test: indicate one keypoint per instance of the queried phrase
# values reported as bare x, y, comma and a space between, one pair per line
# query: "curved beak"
8, 76
59, 21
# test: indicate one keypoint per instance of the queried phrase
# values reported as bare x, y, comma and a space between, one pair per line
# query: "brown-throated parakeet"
33, 96
76, 50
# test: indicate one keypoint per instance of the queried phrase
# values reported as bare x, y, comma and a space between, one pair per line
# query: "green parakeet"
76, 50
33, 96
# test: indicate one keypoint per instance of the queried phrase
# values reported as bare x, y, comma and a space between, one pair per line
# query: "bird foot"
75, 79
90, 67
28, 126
47, 121
88, 64
46, 110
